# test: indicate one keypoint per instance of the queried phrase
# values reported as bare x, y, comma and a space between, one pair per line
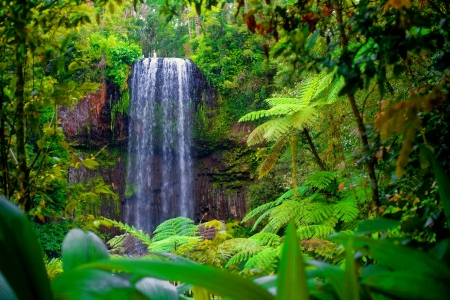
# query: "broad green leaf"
407, 285
157, 289
90, 163
443, 182
291, 273
20, 255
269, 283
6, 292
332, 274
397, 257
93, 285
81, 247
200, 293
351, 286
376, 225
218, 281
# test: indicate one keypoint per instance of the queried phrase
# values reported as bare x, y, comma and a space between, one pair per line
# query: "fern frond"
314, 231
266, 239
303, 118
262, 217
309, 87
325, 82
346, 210
318, 211
277, 110
54, 268
232, 246
258, 210
271, 159
321, 179
179, 226
243, 255
117, 241
333, 95
257, 135
172, 243
281, 127
282, 214
281, 100
139, 234
264, 260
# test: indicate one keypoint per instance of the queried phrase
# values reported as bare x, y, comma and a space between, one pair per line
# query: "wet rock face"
221, 174
89, 122
222, 177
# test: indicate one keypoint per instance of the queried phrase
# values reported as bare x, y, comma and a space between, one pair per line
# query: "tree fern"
333, 94
243, 255
271, 159
317, 212
265, 261
282, 214
321, 179
180, 226
171, 243
309, 87
314, 231
267, 239
139, 234
346, 210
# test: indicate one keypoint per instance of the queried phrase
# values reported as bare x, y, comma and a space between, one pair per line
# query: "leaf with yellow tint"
397, 4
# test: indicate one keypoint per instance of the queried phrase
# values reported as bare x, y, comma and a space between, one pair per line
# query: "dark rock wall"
221, 176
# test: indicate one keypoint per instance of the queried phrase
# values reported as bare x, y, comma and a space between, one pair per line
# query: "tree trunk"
365, 143
24, 173
293, 140
314, 150
197, 25
359, 120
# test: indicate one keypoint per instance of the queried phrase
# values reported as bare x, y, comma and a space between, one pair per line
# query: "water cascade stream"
159, 171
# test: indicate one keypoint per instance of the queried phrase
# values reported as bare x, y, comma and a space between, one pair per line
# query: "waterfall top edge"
170, 59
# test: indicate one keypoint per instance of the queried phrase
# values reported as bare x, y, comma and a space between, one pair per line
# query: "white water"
159, 171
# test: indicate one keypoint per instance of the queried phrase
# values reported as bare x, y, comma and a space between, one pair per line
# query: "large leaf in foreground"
217, 281
20, 255
93, 285
443, 182
157, 289
292, 282
6, 293
81, 247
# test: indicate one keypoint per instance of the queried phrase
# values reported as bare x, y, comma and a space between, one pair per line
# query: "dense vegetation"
349, 105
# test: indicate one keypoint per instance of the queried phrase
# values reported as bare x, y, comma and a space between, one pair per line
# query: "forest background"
348, 98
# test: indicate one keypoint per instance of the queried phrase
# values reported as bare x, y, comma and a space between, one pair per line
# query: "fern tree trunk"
343, 37
314, 150
24, 173
293, 141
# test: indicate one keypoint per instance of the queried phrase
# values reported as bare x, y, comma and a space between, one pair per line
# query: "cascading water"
159, 171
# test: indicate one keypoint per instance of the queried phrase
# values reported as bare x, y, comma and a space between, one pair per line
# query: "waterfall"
159, 172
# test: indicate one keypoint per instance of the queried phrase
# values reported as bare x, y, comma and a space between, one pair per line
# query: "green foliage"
50, 236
